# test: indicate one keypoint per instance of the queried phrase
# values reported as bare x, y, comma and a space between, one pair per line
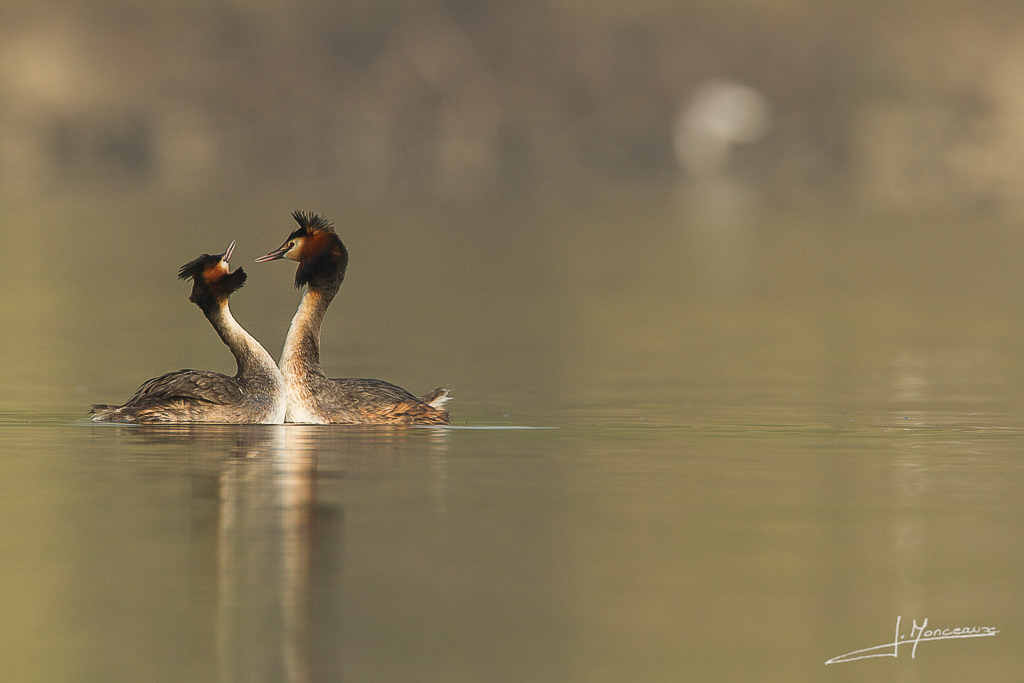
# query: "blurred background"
908, 104
625, 188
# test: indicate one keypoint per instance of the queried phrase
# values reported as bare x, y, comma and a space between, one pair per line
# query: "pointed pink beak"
273, 256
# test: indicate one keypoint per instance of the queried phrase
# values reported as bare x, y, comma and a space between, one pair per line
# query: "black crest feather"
312, 222
194, 268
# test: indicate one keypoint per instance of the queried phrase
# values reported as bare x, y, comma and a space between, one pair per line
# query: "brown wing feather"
196, 385
378, 401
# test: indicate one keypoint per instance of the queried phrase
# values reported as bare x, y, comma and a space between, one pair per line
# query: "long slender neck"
301, 354
250, 356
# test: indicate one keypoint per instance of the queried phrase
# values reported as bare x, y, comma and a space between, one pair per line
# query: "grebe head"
212, 280
321, 254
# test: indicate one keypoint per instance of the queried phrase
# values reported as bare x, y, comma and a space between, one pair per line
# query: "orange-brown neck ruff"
213, 273
214, 285
323, 260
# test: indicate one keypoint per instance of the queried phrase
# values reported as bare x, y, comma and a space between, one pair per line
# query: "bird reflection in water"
264, 555
267, 518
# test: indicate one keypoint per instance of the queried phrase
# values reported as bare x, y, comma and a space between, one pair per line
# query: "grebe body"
256, 394
312, 396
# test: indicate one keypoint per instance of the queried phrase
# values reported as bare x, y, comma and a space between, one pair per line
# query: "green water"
686, 446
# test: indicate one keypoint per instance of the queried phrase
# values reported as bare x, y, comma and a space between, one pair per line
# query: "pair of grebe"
261, 391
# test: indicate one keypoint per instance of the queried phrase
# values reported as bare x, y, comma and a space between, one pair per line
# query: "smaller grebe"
312, 396
255, 395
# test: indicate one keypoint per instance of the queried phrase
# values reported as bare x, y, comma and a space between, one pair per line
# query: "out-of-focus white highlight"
719, 115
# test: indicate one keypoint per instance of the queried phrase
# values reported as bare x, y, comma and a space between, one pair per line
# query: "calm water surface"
687, 446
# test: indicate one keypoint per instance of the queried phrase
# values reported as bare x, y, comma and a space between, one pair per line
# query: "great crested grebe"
256, 394
312, 396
